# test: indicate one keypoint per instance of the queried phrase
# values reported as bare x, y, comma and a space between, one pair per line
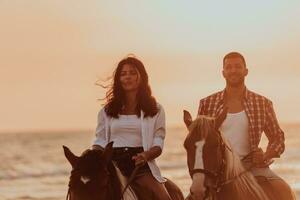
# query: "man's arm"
201, 108
274, 134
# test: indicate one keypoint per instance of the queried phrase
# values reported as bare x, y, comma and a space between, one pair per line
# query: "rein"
68, 194
205, 172
131, 178
245, 171
216, 175
235, 177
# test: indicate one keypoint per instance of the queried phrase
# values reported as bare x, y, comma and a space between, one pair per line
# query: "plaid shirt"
261, 116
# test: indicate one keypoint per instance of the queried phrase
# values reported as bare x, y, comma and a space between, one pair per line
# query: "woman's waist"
126, 141
127, 150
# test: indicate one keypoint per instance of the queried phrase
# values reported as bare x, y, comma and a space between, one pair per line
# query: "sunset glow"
53, 52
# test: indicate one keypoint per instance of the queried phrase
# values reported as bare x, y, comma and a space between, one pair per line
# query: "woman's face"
129, 78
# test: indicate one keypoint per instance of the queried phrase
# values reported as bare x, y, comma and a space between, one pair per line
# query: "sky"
52, 53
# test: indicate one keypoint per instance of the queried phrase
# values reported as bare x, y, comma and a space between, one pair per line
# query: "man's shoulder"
255, 96
215, 96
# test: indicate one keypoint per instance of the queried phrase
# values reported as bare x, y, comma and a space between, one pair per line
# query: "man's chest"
255, 111
234, 106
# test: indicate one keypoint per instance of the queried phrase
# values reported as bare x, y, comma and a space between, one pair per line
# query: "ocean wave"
13, 175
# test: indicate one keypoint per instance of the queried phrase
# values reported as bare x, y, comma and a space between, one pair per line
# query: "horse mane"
244, 183
118, 183
129, 193
201, 127
115, 182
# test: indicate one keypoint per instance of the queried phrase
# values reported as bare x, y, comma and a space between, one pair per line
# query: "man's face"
234, 71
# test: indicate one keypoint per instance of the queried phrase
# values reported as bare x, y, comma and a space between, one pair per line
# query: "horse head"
225, 176
90, 176
205, 129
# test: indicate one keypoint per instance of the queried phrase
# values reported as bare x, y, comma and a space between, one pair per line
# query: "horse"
225, 176
95, 177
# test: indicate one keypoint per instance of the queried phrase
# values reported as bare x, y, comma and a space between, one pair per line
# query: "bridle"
215, 175
107, 185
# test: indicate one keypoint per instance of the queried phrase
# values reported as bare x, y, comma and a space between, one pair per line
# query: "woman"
135, 122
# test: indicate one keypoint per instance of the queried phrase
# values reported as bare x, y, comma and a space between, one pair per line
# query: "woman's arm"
100, 139
159, 129
152, 153
158, 140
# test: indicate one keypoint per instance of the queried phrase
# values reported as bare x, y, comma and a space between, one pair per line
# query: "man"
248, 115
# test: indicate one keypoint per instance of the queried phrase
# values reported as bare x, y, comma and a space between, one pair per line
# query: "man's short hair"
234, 55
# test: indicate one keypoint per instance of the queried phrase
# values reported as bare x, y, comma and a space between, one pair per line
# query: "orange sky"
52, 52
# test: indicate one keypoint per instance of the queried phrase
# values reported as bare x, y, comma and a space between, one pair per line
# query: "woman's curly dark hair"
115, 96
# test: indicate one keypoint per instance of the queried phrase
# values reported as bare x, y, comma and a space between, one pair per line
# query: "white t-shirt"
235, 130
126, 131
153, 131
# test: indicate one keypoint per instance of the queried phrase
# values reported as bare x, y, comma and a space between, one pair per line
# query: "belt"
134, 150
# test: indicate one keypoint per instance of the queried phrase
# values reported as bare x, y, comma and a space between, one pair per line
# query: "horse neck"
243, 183
233, 164
114, 189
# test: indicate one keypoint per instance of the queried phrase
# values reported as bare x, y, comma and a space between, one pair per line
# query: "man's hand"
197, 189
261, 159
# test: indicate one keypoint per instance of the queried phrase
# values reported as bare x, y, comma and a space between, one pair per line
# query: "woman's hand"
140, 159
143, 157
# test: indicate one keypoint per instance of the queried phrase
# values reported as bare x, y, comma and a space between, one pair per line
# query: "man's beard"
237, 83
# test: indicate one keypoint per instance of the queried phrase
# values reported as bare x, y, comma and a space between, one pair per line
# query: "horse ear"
220, 119
70, 156
187, 118
108, 151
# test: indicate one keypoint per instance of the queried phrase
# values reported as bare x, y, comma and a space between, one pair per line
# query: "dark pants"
144, 184
123, 159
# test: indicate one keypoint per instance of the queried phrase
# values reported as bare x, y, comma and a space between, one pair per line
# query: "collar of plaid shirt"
255, 127
221, 99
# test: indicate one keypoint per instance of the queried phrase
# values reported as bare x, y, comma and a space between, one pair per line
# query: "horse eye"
85, 179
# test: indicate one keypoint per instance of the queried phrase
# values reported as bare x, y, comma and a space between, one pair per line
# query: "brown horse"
224, 174
94, 177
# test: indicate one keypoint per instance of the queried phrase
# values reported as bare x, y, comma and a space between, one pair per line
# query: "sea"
33, 166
